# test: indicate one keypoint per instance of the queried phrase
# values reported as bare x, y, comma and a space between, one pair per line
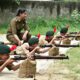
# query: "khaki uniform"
19, 49
52, 51
42, 40
16, 27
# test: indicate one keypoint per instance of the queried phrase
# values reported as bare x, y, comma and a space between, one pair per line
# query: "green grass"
41, 30
3, 28
41, 24
74, 60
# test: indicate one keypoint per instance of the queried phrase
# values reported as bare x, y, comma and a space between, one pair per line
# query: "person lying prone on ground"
5, 61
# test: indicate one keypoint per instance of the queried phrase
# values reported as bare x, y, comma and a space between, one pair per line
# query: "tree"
8, 3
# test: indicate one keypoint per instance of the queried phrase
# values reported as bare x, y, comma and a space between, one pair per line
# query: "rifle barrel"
59, 57
51, 57
73, 32
67, 36
42, 57
58, 45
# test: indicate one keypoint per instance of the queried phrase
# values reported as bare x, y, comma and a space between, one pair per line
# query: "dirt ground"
55, 71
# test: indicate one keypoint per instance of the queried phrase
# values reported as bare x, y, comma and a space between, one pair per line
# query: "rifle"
59, 57
5, 43
58, 45
67, 36
74, 32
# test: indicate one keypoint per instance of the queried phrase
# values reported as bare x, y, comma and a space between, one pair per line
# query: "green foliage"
18, 2
8, 3
41, 24
75, 16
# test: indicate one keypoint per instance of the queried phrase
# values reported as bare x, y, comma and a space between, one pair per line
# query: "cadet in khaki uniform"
5, 61
28, 66
50, 39
17, 25
43, 40
63, 33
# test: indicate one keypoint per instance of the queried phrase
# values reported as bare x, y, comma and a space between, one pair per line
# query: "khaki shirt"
42, 40
16, 26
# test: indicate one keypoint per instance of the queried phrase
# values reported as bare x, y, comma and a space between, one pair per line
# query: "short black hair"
20, 11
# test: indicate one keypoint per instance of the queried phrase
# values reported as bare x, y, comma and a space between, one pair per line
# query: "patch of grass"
41, 30
74, 60
3, 31
41, 24
3, 28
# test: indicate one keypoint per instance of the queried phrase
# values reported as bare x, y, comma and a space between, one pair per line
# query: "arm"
9, 61
26, 29
16, 37
43, 50
52, 41
25, 48
25, 34
26, 51
15, 67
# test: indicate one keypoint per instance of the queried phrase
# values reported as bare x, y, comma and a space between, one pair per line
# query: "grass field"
74, 60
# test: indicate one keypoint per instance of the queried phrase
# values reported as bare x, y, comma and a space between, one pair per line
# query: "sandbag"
27, 69
66, 41
77, 38
54, 51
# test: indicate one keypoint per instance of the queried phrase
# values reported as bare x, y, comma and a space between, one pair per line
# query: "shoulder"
26, 45
42, 40
14, 20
